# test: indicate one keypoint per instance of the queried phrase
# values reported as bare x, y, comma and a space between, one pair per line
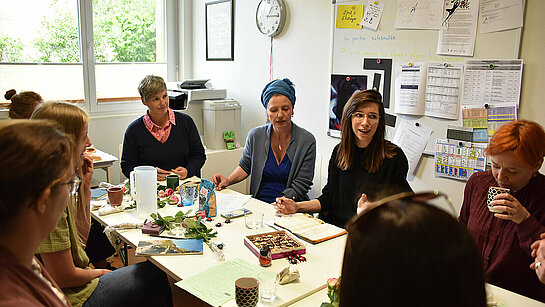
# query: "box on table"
281, 243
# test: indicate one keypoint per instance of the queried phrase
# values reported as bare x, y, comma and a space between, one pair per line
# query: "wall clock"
270, 17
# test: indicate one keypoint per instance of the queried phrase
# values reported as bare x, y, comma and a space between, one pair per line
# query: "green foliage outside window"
124, 31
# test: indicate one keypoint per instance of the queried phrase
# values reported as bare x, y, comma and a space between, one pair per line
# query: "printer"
212, 113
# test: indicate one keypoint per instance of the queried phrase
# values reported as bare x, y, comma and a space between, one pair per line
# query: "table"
500, 296
324, 260
106, 163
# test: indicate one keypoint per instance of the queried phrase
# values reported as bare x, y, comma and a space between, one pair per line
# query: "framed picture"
219, 30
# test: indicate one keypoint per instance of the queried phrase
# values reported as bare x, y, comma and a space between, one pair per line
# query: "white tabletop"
324, 260
496, 297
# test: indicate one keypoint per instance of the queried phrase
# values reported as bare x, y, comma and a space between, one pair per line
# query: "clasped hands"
162, 174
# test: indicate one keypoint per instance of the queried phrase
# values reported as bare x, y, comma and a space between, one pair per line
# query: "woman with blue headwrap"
279, 155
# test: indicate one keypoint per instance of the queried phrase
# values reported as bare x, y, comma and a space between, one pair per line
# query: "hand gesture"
285, 205
363, 204
220, 182
511, 207
180, 171
162, 174
538, 252
87, 170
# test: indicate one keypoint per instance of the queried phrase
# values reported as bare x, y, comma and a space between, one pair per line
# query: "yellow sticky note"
349, 16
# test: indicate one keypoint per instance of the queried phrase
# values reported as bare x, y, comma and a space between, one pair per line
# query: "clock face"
270, 17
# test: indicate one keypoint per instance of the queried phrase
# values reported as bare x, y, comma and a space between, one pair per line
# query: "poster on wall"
342, 88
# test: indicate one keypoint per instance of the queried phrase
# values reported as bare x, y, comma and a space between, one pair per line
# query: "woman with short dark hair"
363, 167
406, 252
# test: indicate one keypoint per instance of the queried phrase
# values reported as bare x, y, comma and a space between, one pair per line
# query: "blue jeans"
141, 284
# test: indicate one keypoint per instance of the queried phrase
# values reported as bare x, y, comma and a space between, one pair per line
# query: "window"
45, 46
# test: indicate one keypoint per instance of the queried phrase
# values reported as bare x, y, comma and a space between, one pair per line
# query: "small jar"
265, 258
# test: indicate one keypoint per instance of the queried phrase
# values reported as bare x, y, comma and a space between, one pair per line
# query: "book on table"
309, 228
170, 247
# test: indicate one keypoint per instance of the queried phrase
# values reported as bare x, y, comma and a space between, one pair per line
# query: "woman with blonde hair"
62, 252
35, 182
75, 122
163, 138
363, 167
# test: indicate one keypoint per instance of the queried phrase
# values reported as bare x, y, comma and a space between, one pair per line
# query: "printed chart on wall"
433, 67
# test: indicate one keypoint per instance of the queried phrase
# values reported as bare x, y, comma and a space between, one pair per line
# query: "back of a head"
70, 118
410, 254
525, 138
34, 154
22, 104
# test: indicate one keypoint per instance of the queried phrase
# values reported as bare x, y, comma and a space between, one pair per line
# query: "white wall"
302, 53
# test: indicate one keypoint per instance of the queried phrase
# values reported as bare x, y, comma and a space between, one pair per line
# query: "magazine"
170, 247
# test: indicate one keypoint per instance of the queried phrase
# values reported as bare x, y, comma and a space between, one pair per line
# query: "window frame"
85, 23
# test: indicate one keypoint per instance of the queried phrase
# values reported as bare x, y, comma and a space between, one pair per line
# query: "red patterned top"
160, 133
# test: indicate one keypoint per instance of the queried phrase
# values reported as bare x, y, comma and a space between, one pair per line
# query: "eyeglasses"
371, 117
73, 184
431, 198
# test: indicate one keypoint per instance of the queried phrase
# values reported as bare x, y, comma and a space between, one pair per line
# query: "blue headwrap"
279, 86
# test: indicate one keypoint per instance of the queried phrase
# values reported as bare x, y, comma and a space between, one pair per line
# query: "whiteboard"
349, 48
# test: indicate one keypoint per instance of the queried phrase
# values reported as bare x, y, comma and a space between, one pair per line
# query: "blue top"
182, 148
274, 179
301, 152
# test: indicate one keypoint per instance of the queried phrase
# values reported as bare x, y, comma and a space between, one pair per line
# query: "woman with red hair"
516, 153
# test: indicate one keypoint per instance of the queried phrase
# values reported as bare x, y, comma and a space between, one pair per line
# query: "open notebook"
308, 227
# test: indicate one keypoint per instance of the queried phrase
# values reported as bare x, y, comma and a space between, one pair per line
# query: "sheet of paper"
216, 285
474, 117
498, 116
410, 81
458, 160
349, 16
412, 137
419, 14
492, 82
228, 202
372, 15
443, 90
459, 28
499, 15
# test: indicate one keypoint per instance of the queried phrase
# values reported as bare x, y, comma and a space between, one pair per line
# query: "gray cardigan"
301, 152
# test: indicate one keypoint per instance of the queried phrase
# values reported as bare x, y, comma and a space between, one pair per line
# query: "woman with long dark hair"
363, 167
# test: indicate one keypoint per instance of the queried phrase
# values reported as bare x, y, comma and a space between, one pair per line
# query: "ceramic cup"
115, 196
173, 181
246, 291
492, 192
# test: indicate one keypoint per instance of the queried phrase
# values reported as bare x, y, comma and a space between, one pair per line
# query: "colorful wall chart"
458, 160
